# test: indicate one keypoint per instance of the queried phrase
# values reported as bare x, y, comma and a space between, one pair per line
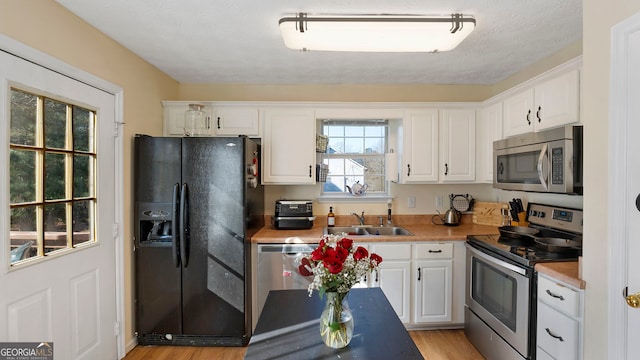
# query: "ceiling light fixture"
376, 33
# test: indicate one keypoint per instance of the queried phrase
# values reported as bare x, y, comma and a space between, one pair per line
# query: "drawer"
392, 251
559, 296
557, 333
433, 250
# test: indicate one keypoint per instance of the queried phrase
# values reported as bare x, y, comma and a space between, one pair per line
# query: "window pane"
336, 145
55, 119
24, 114
55, 227
23, 233
374, 131
54, 176
353, 146
374, 146
81, 176
82, 129
82, 211
22, 176
333, 131
354, 131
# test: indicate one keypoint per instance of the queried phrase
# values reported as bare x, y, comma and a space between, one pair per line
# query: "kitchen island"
289, 328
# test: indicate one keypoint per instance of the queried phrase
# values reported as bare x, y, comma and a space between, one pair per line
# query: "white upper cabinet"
236, 120
174, 118
458, 145
552, 103
420, 148
288, 146
488, 130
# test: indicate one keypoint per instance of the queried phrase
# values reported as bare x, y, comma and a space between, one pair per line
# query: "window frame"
325, 157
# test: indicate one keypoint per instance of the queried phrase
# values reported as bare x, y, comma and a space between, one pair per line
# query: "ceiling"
238, 41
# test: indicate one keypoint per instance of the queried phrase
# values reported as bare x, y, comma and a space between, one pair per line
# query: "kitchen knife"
521, 207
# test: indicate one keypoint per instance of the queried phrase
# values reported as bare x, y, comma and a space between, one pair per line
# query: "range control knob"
540, 214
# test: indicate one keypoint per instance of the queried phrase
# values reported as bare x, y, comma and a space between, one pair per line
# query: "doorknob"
633, 300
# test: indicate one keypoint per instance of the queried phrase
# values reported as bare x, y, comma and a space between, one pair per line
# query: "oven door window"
495, 291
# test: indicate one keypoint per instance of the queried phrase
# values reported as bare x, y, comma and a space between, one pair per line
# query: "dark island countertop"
289, 328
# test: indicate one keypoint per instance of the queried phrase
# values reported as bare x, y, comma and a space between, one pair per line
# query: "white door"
69, 297
624, 215
420, 157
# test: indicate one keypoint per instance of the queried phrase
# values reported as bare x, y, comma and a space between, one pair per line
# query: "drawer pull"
560, 297
435, 251
554, 335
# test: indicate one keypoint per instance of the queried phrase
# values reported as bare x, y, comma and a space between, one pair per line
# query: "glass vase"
336, 321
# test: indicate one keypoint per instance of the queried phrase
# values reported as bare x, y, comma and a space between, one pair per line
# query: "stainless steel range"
500, 311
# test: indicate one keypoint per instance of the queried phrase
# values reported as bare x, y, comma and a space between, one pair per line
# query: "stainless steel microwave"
546, 161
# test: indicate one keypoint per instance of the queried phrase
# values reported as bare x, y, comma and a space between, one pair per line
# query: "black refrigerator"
198, 201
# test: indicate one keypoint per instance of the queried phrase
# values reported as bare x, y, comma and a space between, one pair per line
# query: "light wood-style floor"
433, 344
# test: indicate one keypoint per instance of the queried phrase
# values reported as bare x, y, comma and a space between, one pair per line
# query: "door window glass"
51, 175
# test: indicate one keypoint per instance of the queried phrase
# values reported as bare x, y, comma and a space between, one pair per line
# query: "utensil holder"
522, 216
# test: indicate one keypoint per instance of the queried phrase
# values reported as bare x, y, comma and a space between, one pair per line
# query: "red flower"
345, 243
377, 258
333, 264
360, 253
317, 254
305, 267
342, 253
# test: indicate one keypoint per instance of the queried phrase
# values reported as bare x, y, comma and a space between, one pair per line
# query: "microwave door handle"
541, 174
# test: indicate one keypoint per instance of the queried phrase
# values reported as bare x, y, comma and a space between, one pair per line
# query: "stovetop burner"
553, 222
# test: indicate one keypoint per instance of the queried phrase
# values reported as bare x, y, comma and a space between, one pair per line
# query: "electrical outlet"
438, 201
411, 202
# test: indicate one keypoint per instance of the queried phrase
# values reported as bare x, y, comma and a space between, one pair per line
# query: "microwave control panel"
557, 166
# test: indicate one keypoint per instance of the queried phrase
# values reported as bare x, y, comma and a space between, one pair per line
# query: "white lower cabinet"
423, 281
393, 276
433, 274
560, 321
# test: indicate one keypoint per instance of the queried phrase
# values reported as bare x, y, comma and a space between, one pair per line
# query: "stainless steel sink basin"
389, 231
368, 231
349, 230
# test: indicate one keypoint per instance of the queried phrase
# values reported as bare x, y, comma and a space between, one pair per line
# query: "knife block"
522, 216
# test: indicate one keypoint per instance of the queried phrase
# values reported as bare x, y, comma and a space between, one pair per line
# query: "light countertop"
567, 272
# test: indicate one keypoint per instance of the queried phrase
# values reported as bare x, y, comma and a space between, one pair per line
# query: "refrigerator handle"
174, 225
184, 236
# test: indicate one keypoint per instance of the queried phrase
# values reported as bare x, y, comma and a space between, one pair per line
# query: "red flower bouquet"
336, 265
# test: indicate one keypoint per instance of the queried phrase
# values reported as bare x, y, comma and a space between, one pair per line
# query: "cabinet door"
288, 146
174, 115
232, 121
518, 117
433, 280
557, 101
458, 147
488, 130
393, 277
420, 148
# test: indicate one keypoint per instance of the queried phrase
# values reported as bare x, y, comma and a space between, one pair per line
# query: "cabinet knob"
528, 117
538, 113
408, 169
218, 122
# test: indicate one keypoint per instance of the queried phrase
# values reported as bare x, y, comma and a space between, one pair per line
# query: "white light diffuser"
380, 33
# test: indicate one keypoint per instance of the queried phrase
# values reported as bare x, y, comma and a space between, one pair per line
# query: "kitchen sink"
349, 230
368, 230
389, 231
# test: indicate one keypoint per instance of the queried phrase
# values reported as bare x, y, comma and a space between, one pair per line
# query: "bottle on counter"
331, 218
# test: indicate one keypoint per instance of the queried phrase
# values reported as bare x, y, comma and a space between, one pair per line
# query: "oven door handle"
497, 262
540, 167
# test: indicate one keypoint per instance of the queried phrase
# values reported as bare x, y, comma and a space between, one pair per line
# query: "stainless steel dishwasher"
278, 268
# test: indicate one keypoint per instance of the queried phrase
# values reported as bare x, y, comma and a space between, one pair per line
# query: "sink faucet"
360, 217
